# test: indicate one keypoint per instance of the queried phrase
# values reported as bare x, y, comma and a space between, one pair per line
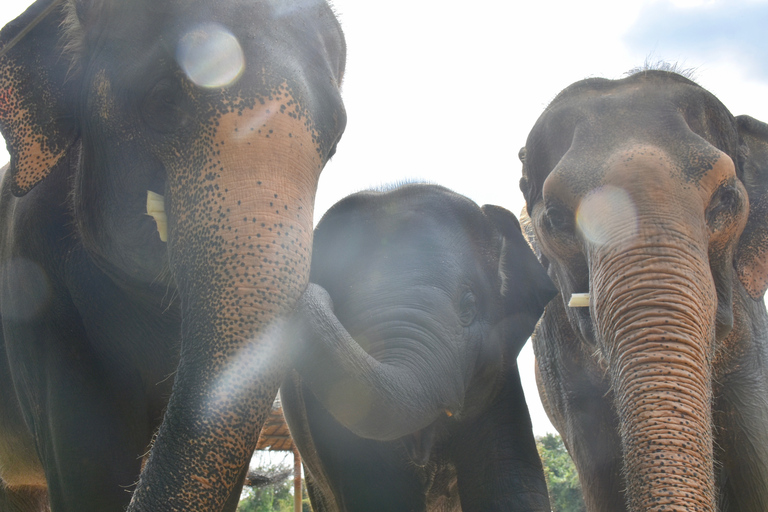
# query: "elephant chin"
659, 332
419, 445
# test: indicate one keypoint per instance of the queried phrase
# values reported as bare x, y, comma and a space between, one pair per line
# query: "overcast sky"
447, 91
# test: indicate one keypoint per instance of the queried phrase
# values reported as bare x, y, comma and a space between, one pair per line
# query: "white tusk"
579, 300
156, 210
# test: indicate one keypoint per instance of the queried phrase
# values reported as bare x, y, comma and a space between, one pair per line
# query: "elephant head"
407, 394
428, 296
229, 110
646, 194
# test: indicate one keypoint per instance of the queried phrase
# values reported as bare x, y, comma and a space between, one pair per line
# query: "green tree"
560, 472
271, 492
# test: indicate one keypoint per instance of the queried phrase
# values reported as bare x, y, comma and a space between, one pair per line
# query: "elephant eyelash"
558, 218
726, 199
467, 309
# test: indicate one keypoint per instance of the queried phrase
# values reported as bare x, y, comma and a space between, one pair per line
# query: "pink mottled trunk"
655, 311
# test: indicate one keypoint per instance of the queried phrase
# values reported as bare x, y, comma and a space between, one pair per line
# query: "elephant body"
122, 322
406, 395
647, 194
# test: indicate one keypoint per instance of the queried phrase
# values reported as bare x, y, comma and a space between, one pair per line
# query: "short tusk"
448, 413
156, 210
579, 300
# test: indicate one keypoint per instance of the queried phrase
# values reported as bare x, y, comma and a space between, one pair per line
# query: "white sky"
447, 91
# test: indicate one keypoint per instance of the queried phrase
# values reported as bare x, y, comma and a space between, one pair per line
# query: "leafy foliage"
272, 491
560, 472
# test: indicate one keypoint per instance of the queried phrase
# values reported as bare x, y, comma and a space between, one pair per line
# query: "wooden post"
296, 480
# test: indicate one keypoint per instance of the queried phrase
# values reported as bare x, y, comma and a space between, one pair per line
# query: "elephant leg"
88, 416
366, 475
23, 499
596, 451
294, 409
741, 416
316, 498
91, 456
497, 463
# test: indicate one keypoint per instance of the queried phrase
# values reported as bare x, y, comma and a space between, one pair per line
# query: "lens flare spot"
211, 56
255, 122
353, 403
605, 214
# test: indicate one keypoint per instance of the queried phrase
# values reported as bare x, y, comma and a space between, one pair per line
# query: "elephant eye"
467, 308
558, 218
162, 107
725, 203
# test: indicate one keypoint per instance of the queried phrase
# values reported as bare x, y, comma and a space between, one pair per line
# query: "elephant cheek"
658, 325
240, 237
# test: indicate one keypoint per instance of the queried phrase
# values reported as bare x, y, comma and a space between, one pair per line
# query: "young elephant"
407, 395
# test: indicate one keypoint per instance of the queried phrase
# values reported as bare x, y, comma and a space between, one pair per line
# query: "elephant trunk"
374, 399
657, 321
240, 236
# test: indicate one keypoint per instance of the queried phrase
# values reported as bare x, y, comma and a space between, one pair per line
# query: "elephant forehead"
640, 171
685, 120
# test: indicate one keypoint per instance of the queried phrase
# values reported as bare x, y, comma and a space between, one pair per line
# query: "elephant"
646, 201
406, 393
155, 233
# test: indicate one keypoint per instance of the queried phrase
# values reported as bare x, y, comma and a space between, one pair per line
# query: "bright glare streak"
606, 213
211, 56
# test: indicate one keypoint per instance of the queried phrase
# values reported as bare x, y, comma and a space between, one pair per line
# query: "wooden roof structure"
274, 434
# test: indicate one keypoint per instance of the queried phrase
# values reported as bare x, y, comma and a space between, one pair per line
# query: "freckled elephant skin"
647, 194
406, 395
119, 347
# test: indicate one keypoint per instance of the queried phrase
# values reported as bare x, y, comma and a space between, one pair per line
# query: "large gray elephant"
226, 112
407, 394
647, 194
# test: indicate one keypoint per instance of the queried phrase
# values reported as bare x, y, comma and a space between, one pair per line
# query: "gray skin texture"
406, 394
112, 340
648, 194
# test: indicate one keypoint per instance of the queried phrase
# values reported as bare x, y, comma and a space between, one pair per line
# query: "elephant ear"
526, 225
36, 94
525, 287
752, 252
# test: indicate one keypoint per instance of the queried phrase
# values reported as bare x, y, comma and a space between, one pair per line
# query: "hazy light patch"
250, 123
350, 401
28, 276
281, 8
606, 213
253, 364
211, 56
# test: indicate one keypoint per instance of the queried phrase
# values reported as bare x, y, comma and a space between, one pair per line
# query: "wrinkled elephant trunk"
240, 238
658, 321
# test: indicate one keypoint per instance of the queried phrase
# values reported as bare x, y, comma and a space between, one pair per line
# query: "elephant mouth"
583, 317
579, 309
156, 210
418, 446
